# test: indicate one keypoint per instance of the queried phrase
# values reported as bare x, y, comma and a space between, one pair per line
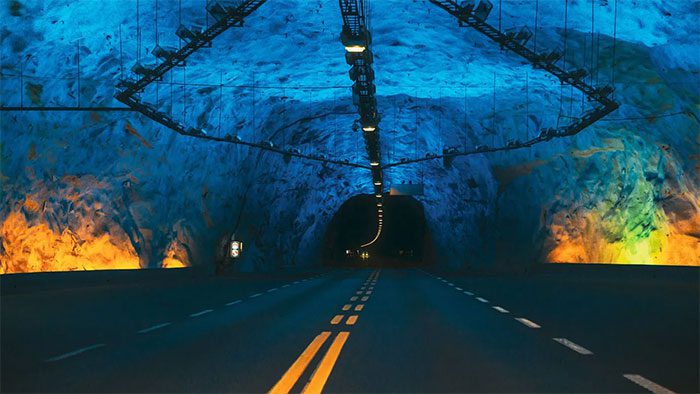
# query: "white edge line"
573, 346
234, 302
74, 353
154, 327
255, 295
648, 384
200, 313
272, 289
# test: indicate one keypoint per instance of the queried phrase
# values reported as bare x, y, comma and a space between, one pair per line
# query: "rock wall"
95, 190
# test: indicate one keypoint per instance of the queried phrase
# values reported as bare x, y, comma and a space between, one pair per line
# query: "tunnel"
404, 240
349, 196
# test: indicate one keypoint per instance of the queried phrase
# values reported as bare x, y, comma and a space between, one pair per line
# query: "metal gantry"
474, 16
195, 39
357, 39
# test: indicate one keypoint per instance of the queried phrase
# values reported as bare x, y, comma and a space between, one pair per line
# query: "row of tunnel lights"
355, 46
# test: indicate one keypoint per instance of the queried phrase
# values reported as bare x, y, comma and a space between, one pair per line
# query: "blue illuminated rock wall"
624, 190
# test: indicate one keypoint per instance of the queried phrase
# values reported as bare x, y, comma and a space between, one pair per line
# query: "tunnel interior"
405, 238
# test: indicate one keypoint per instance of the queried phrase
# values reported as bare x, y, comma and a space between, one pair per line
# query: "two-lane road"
364, 330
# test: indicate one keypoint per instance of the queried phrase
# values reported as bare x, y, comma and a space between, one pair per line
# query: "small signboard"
406, 189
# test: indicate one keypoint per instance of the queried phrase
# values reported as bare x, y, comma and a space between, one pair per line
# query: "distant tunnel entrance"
405, 239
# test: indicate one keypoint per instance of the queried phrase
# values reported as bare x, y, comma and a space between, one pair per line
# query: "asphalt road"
363, 330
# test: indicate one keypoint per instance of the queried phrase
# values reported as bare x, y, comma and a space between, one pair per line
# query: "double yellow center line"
320, 375
322, 372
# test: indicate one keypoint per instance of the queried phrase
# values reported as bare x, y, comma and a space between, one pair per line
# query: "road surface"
355, 330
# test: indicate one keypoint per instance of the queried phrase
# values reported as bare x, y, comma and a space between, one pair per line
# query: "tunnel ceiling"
115, 186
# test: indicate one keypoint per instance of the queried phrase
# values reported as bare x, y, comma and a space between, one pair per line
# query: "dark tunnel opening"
405, 239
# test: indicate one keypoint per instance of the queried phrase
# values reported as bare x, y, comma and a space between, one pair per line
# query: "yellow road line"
324, 369
347, 307
351, 320
359, 307
289, 379
337, 319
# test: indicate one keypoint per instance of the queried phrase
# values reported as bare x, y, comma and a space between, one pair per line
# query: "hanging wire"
527, 106
184, 93
493, 115
566, 34
221, 97
592, 37
179, 21
156, 18
415, 128
78, 58
566, 31
500, 14
138, 32
614, 48
537, 11
465, 118
597, 60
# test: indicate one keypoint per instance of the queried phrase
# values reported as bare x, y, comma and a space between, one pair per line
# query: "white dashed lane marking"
648, 384
255, 295
577, 348
482, 299
527, 322
153, 328
200, 313
74, 353
233, 302
502, 310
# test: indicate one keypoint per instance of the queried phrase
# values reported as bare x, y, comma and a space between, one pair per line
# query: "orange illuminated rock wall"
645, 210
68, 224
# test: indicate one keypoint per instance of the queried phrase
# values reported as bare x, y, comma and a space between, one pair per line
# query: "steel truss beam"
179, 128
470, 16
197, 40
357, 41
227, 17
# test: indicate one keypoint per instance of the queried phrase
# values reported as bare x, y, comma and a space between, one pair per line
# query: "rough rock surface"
86, 190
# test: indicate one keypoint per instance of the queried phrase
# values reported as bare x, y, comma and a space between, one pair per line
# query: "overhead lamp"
380, 210
374, 163
378, 195
378, 183
355, 41
355, 48
368, 128
379, 204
